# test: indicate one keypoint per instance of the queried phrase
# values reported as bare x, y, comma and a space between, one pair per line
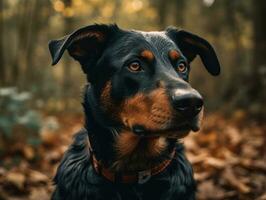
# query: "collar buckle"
144, 176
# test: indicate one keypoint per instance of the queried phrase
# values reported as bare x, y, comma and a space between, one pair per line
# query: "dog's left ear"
192, 45
84, 45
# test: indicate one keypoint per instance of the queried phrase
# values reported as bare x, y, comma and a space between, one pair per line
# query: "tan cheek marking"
146, 54
161, 109
152, 110
105, 96
135, 110
174, 55
106, 101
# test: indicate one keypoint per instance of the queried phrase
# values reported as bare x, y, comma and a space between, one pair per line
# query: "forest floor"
228, 157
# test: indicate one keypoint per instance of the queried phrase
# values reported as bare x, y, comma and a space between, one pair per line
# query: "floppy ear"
192, 45
84, 45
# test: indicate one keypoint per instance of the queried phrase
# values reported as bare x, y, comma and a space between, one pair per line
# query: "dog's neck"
119, 149
101, 136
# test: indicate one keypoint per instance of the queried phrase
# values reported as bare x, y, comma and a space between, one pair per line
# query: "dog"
137, 104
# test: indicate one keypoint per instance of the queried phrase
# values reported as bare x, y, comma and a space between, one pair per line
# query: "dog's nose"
187, 102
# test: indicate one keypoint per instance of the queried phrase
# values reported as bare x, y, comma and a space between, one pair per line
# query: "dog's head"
140, 79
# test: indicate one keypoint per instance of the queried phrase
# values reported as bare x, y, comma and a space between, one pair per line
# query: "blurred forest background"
40, 105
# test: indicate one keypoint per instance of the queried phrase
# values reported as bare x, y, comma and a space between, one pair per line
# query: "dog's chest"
78, 180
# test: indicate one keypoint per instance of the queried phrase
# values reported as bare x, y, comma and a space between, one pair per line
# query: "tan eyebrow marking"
174, 55
147, 54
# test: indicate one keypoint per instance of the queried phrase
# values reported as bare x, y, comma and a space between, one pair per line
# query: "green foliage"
16, 112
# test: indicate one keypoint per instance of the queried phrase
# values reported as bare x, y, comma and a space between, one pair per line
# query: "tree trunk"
19, 62
2, 62
179, 12
257, 73
162, 13
67, 68
259, 51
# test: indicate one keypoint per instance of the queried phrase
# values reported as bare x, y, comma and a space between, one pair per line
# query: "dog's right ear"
192, 45
84, 45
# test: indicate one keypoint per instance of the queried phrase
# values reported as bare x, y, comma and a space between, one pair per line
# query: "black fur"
104, 53
76, 179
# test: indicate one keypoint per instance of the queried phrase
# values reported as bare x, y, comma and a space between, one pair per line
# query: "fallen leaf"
28, 152
208, 190
194, 159
17, 179
234, 181
254, 164
215, 162
201, 176
262, 197
234, 135
40, 194
37, 177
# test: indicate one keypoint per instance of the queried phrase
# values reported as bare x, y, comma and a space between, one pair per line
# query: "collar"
139, 177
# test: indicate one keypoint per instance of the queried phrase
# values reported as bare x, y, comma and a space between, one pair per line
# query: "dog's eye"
134, 66
182, 68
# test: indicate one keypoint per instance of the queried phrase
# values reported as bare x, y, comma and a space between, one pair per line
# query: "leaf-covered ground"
228, 156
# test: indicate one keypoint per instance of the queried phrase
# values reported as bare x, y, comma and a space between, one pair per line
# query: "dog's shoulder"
74, 168
75, 157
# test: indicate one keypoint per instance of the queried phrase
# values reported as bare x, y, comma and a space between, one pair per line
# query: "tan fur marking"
107, 102
174, 55
105, 95
153, 110
126, 143
147, 54
135, 153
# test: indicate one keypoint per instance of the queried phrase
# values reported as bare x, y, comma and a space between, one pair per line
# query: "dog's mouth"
181, 132
178, 131
169, 127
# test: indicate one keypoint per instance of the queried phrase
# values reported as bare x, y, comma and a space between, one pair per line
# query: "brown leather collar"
139, 177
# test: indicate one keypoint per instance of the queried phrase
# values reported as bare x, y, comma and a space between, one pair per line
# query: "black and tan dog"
138, 103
